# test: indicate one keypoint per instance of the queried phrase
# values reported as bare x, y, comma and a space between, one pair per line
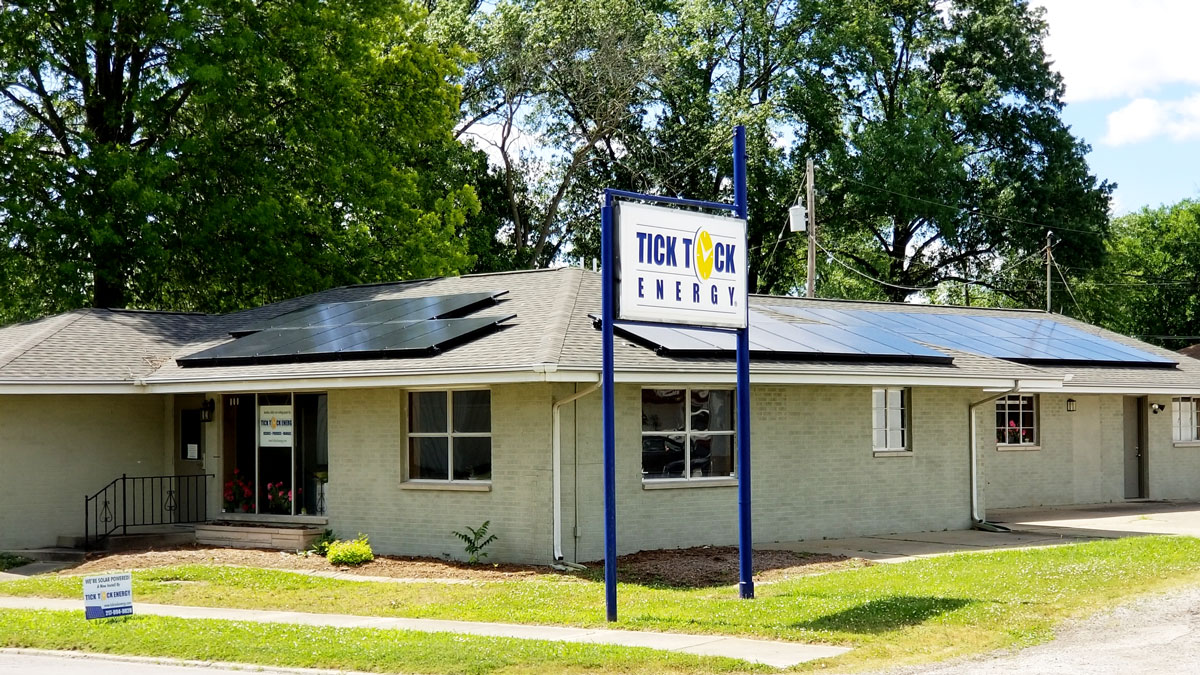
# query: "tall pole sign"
685, 267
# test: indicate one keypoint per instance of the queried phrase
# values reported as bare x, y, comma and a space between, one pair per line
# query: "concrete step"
52, 554
130, 542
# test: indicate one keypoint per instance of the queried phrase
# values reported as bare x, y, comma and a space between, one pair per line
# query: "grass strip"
362, 649
913, 612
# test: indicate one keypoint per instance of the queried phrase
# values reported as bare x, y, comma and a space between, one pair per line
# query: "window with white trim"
1016, 420
450, 435
687, 433
1185, 426
889, 419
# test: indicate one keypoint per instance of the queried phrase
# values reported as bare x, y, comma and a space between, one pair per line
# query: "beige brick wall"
54, 450
1174, 470
366, 473
814, 473
1078, 460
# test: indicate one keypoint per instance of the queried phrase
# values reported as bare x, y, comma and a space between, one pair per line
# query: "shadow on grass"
881, 616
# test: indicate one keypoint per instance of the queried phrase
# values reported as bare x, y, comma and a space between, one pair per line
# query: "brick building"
407, 411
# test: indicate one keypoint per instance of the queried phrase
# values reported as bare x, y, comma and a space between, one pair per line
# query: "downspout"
978, 522
556, 460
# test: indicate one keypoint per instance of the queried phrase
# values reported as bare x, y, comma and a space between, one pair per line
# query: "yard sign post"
718, 256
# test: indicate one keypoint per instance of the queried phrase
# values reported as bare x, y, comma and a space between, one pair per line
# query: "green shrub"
351, 552
320, 545
476, 539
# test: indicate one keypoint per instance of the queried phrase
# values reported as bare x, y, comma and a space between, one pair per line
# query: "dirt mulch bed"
718, 566
692, 567
382, 566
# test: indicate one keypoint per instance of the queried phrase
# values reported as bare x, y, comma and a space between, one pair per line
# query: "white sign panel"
676, 266
275, 426
108, 595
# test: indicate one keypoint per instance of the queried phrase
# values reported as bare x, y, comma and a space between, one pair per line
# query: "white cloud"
1122, 48
1146, 118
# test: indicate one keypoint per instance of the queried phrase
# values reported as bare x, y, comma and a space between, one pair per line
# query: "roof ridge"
55, 325
555, 339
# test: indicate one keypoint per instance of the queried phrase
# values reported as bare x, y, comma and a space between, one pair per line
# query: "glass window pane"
895, 439
662, 456
427, 458
427, 411
472, 458
877, 398
712, 410
893, 398
879, 419
663, 410
1027, 420
472, 411
880, 440
712, 455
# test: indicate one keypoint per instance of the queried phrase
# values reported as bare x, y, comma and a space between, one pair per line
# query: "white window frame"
1002, 439
1184, 423
450, 434
899, 418
687, 434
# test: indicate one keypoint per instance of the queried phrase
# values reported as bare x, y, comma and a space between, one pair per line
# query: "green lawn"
916, 611
359, 649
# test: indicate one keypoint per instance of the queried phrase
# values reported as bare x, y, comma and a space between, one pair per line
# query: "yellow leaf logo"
704, 255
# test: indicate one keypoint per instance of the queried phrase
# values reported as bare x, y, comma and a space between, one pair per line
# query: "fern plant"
476, 539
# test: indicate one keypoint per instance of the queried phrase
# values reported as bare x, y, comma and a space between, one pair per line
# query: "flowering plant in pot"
239, 494
279, 498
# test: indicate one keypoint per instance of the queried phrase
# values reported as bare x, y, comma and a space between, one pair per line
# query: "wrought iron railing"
141, 501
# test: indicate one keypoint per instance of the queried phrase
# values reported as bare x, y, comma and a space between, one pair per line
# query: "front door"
189, 460
1135, 447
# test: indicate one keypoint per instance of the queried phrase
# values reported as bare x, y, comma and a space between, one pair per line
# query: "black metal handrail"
139, 501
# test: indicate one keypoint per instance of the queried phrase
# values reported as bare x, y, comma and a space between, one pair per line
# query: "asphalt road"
1156, 635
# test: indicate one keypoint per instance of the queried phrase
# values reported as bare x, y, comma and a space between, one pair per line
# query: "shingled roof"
551, 338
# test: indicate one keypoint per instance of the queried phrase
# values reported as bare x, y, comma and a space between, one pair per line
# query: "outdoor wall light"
1070, 405
1156, 408
206, 410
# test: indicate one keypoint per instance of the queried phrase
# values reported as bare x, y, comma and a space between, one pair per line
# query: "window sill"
1186, 444
451, 486
298, 519
893, 453
1017, 448
676, 483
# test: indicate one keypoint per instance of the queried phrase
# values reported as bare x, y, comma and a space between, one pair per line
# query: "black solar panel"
1033, 341
371, 312
771, 338
355, 341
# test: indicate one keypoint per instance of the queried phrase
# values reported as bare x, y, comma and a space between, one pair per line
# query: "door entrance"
276, 454
1135, 448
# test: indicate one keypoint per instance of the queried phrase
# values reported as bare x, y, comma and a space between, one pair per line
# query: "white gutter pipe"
976, 517
557, 465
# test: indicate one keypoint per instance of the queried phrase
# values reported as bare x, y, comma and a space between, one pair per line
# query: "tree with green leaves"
210, 154
1149, 285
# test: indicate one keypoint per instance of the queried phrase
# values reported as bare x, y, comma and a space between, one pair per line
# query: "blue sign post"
608, 315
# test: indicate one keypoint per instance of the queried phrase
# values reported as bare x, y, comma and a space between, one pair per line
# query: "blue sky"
1132, 70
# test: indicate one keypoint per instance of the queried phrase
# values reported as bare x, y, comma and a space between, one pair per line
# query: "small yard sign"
108, 595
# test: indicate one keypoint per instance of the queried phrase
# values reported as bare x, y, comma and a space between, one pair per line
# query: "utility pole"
1049, 261
810, 286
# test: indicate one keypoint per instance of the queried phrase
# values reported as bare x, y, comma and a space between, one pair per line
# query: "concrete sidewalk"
1031, 528
777, 654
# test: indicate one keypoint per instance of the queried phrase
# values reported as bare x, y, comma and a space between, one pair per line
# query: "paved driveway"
1043, 526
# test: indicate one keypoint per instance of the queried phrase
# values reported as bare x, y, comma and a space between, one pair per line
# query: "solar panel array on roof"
1014, 339
356, 330
370, 312
772, 338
